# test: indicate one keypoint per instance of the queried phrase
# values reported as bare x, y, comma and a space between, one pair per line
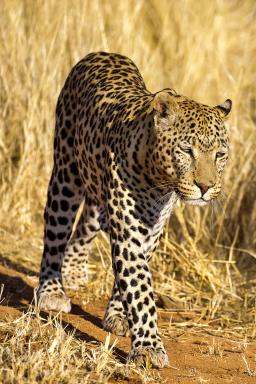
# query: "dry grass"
206, 50
33, 349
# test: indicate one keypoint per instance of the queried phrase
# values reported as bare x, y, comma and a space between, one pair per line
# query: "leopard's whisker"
157, 202
167, 184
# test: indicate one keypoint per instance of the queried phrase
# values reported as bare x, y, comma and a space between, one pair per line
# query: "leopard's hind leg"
65, 194
74, 266
115, 320
62, 205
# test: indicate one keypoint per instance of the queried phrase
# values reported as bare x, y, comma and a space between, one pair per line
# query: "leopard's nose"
204, 187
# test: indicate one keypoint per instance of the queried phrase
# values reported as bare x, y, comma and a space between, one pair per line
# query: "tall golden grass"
205, 50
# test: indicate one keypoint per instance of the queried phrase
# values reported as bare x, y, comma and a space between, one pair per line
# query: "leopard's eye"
220, 155
188, 150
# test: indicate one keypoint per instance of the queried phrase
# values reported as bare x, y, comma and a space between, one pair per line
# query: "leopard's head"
190, 146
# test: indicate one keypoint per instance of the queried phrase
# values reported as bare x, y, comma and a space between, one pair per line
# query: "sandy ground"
192, 359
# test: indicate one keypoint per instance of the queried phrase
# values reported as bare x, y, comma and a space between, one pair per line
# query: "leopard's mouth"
195, 198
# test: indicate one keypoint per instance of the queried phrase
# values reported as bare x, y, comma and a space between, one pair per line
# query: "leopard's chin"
200, 201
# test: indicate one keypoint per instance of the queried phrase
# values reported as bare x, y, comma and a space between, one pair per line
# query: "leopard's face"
192, 145
199, 170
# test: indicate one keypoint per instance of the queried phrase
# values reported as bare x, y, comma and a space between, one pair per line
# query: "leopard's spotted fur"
129, 155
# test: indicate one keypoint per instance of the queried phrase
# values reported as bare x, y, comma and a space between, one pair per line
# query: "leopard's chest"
168, 204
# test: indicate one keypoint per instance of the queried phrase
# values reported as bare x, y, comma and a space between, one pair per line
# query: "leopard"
123, 158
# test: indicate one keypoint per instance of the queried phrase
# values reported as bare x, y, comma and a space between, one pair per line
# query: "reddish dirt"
190, 358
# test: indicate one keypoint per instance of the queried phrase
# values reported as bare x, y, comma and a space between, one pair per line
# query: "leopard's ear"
224, 109
165, 105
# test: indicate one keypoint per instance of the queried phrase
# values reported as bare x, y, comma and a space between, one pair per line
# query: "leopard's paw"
149, 356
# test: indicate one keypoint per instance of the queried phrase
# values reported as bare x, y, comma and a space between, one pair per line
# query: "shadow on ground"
18, 294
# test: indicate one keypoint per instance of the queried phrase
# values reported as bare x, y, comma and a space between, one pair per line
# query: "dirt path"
194, 357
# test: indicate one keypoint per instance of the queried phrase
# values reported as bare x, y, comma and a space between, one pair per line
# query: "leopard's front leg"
134, 282
129, 240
